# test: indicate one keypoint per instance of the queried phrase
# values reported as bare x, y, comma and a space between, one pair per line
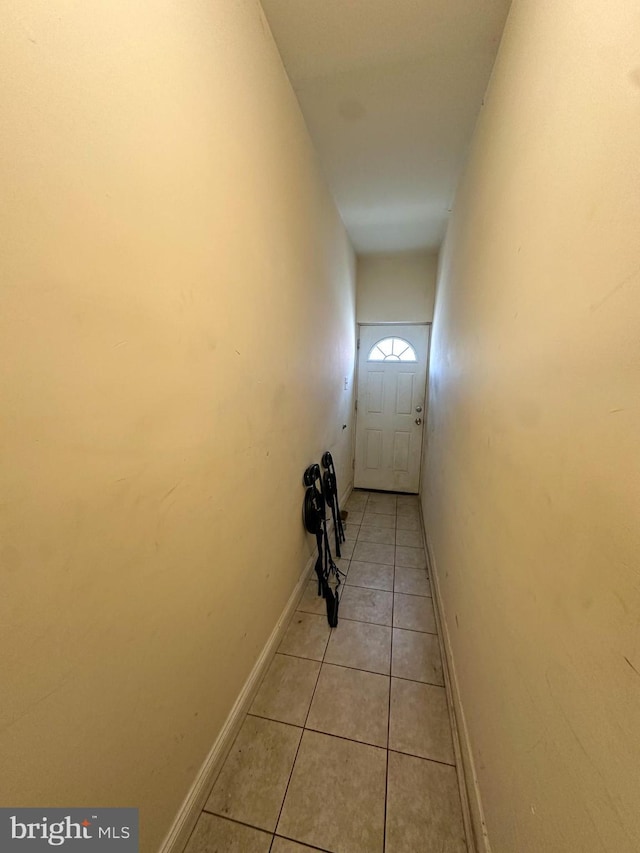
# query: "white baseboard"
187, 816
472, 811
193, 803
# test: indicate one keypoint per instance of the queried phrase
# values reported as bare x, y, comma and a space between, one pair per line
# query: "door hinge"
358, 344
356, 404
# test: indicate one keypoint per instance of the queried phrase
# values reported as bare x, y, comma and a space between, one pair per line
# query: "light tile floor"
347, 746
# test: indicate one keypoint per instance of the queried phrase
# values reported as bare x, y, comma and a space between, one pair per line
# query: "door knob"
418, 421
418, 408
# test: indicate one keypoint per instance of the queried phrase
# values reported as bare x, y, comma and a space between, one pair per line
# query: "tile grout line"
386, 777
370, 622
349, 740
190, 836
377, 589
359, 669
423, 758
397, 592
344, 737
322, 663
310, 846
204, 810
338, 737
239, 822
304, 726
260, 829
394, 563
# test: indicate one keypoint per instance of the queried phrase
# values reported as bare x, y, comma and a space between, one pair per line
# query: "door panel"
374, 449
404, 393
390, 392
375, 392
401, 451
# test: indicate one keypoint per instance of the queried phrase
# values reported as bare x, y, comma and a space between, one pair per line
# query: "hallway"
207, 207
347, 746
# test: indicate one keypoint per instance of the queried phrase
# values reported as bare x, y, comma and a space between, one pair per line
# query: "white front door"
391, 395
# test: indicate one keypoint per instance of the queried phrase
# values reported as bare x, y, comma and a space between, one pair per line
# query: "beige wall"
532, 488
178, 314
396, 287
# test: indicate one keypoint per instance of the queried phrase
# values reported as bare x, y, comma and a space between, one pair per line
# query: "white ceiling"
390, 90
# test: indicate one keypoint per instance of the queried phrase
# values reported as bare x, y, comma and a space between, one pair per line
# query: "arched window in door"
392, 349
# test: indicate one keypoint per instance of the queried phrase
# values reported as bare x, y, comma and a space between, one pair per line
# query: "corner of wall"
470, 797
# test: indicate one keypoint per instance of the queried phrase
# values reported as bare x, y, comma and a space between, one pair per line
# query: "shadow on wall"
164, 390
531, 483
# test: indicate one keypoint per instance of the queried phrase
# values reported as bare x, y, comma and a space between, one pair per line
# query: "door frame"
356, 374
